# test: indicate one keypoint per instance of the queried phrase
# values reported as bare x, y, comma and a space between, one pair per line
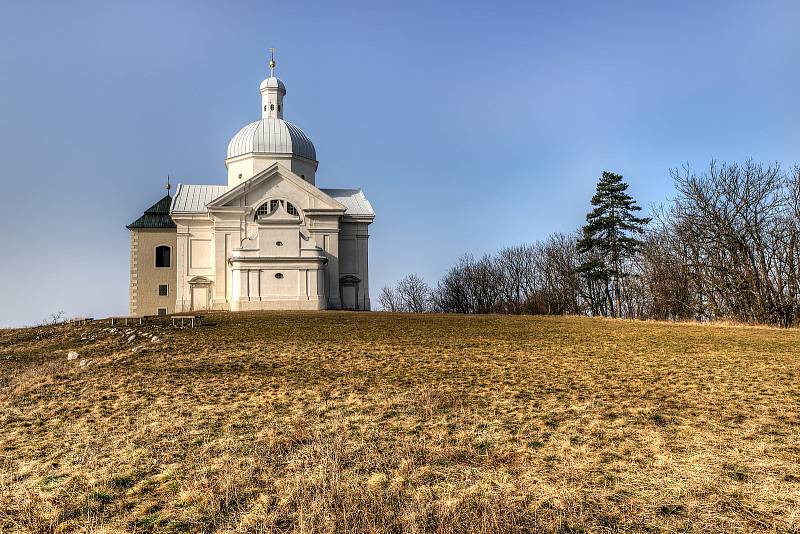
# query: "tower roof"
156, 216
273, 83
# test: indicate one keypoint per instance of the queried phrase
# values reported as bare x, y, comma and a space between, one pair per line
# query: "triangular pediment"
276, 181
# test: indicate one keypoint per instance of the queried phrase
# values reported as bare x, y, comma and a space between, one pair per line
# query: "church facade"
268, 239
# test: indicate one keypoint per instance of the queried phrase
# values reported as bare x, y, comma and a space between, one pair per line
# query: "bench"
80, 320
125, 318
187, 318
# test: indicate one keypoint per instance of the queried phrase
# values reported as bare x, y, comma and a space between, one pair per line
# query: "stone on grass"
72, 355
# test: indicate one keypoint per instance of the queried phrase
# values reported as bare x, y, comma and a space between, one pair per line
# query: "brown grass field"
369, 422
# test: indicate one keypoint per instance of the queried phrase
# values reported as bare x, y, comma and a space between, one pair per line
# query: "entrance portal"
348, 292
200, 293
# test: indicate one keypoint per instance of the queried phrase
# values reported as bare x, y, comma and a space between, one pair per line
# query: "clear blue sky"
470, 126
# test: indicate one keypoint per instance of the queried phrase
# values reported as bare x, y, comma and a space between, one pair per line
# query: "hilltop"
337, 421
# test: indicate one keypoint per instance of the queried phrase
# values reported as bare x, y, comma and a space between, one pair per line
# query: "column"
332, 287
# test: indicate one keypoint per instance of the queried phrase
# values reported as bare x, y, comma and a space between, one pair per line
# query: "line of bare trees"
727, 247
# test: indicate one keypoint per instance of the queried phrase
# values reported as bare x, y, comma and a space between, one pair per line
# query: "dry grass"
332, 422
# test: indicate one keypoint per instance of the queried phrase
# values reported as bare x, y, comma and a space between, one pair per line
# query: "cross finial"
168, 185
272, 62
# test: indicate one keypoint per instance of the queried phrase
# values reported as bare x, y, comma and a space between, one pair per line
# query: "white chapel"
268, 239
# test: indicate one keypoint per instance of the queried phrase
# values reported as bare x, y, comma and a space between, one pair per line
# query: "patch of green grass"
149, 521
51, 482
122, 481
102, 496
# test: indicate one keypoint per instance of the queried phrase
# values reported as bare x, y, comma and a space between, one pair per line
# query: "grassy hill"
332, 422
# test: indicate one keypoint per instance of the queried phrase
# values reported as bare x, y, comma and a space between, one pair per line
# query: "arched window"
163, 253
268, 207
262, 210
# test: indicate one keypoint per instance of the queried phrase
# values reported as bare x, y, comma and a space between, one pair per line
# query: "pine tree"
609, 238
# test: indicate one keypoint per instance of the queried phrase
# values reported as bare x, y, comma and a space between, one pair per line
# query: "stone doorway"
200, 293
348, 292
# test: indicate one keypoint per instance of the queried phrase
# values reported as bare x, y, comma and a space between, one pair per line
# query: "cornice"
278, 259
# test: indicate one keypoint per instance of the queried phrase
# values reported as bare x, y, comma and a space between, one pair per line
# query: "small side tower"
153, 272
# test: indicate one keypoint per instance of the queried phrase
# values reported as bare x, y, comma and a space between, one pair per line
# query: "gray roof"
352, 199
191, 198
273, 136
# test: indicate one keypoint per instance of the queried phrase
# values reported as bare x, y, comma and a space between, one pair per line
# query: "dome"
273, 136
273, 83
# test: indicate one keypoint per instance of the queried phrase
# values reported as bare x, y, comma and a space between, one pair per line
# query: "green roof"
156, 216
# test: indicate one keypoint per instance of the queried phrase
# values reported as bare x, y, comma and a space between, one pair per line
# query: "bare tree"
517, 274
484, 281
54, 318
452, 293
736, 229
389, 299
414, 294
557, 262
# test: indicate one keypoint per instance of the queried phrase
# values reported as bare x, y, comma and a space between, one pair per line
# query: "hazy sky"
470, 126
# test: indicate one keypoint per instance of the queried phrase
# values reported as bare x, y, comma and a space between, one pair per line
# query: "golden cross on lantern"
272, 62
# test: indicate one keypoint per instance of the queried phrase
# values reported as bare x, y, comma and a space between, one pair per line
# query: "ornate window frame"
267, 207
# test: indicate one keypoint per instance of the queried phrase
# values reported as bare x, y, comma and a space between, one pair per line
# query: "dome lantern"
272, 93
270, 139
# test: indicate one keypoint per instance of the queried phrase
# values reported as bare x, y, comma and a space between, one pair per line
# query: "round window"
279, 275
279, 243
